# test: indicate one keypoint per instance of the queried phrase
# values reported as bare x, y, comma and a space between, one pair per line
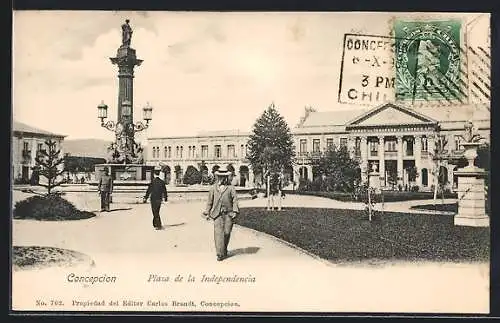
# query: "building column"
351, 146
250, 177
432, 171
417, 152
400, 159
364, 159
381, 163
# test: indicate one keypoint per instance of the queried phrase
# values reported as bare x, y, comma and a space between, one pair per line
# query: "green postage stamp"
428, 60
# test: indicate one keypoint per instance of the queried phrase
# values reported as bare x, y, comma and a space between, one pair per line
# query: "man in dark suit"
105, 189
222, 208
158, 191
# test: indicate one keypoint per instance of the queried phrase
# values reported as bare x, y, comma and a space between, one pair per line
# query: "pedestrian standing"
222, 208
158, 192
105, 189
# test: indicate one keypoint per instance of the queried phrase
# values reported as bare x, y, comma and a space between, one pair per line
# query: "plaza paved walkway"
279, 276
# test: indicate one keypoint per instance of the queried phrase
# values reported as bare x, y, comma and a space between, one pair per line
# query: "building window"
26, 146
424, 144
442, 143
303, 146
177, 152
182, 148
409, 147
242, 151
190, 151
165, 152
343, 142
217, 151
204, 151
457, 143
390, 146
194, 152
329, 143
373, 148
316, 143
39, 147
230, 151
156, 152
169, 151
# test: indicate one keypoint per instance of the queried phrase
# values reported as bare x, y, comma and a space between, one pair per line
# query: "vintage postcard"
250, 162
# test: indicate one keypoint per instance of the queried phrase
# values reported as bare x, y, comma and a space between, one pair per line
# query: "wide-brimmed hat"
222, 171
157, 168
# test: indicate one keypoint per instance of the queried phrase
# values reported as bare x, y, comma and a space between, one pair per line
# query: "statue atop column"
126, 34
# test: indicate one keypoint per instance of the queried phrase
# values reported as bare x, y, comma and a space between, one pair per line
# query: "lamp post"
102, 112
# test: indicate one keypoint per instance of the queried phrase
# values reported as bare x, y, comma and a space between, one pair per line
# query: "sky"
201, 71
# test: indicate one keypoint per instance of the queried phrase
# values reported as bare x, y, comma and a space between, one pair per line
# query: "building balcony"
391, 154
316, 154
409, 153
373, 153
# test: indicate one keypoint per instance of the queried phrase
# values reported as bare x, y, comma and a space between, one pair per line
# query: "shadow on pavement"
243, 251
173, 225
121, 209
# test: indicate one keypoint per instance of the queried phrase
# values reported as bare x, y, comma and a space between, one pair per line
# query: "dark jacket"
157, 190
105, 184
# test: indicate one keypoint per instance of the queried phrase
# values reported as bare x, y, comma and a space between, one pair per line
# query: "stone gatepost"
471, 195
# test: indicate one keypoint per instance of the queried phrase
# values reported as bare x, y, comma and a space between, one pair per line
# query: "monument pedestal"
126, 174
471, 198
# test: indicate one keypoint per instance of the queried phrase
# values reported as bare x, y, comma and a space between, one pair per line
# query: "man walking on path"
105, 189
222, 207
158, 192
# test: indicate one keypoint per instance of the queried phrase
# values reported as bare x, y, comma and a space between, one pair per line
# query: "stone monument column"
126, 60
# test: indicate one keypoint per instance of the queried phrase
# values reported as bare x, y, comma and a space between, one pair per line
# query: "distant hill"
86, 147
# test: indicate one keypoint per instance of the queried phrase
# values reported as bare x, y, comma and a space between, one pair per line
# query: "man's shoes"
220, 258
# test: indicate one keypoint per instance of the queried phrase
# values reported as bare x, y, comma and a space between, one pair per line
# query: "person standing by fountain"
158, 191
105, 189
222, 208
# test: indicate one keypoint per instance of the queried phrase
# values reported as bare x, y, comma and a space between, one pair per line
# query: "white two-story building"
27, 141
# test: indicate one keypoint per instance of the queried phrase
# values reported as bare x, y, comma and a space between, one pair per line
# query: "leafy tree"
339, 170
49, 162
192, 176
75, 164
177, 171
270, 145
439, 156
483, 157
204, 172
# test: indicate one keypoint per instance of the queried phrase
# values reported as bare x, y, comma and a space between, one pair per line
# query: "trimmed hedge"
389, 196
50, 207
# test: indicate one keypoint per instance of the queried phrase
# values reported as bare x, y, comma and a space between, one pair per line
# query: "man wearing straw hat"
158, 192
222, 208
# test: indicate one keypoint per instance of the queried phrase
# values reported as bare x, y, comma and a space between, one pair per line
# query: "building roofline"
38, 134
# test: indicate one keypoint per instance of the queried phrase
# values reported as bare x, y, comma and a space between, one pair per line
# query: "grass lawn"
31, 257
345, 236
